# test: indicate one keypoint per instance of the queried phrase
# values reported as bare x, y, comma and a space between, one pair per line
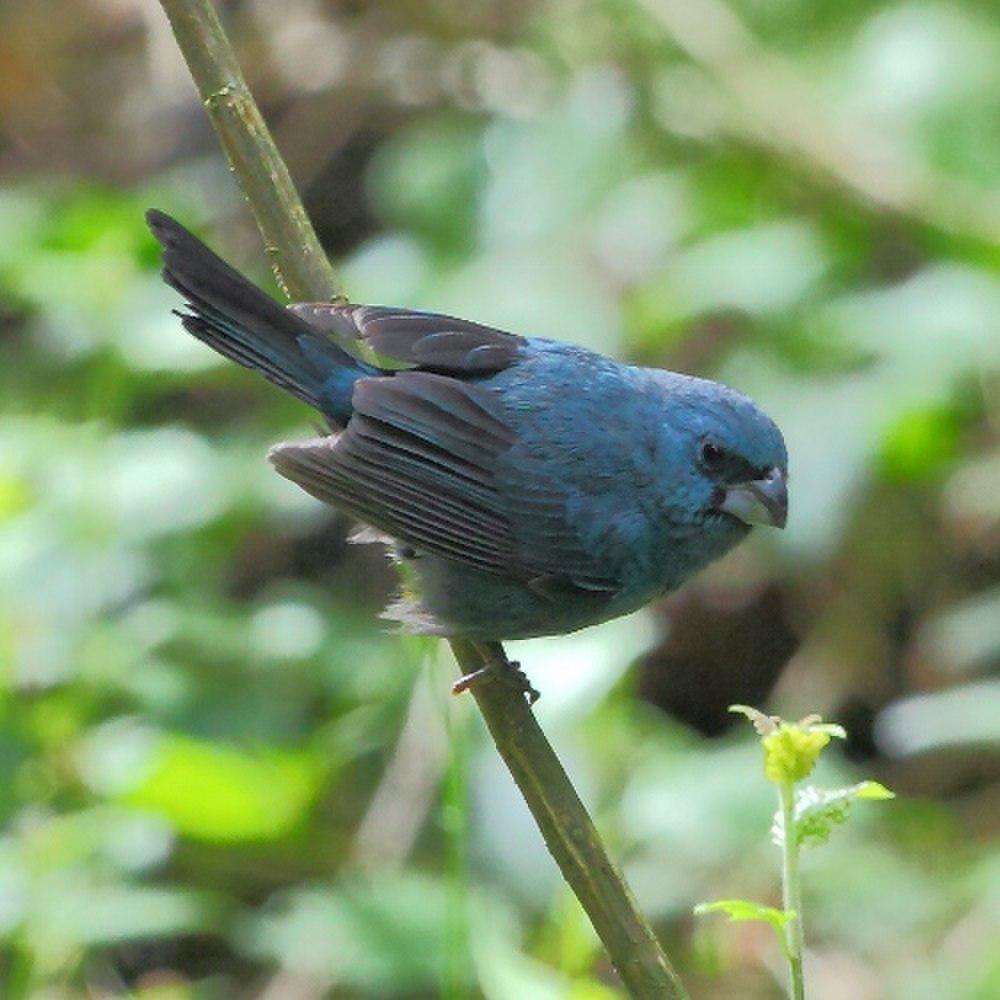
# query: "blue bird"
532, 487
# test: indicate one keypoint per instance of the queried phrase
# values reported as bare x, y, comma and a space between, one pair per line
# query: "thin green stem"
791, 889
304, 274
454, 821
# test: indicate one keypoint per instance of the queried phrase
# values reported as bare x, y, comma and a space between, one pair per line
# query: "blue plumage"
533, 487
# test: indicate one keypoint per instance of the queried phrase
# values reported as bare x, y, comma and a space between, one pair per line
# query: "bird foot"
505, 670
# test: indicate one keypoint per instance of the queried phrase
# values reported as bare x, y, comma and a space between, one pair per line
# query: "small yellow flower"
791, 752
791, 749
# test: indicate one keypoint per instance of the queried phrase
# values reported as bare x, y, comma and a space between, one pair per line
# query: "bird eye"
712, 456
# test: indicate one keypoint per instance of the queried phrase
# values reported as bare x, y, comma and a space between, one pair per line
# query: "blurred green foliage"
218, 777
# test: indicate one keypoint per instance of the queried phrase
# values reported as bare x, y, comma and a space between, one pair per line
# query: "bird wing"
426, 341
422, 459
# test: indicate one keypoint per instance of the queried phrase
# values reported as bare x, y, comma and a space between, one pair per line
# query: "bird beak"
761, 501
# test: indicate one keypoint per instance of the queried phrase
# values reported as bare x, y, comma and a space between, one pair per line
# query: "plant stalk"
304, 274
791, 889
300, 266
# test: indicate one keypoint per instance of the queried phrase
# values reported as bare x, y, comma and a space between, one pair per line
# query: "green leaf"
873, 790
819, 811
815, 819
746, 909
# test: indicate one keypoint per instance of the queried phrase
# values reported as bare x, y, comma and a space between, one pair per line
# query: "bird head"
736, 457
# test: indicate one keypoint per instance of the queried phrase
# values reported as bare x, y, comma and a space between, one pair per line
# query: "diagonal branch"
300, 266
305, 274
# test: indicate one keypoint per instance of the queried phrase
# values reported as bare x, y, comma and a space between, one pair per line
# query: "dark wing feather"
551, 549
427, 341
420, 459
417, 460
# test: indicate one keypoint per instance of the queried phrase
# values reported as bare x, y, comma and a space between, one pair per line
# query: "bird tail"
237, 319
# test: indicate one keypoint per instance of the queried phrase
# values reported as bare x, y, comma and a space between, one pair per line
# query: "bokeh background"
218, 777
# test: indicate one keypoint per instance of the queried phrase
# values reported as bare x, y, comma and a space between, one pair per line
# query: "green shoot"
806, 816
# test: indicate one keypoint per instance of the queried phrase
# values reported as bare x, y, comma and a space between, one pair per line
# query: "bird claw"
508, 671
516, 675
467, 681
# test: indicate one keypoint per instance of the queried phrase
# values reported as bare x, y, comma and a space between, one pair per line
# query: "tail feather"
237, 319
